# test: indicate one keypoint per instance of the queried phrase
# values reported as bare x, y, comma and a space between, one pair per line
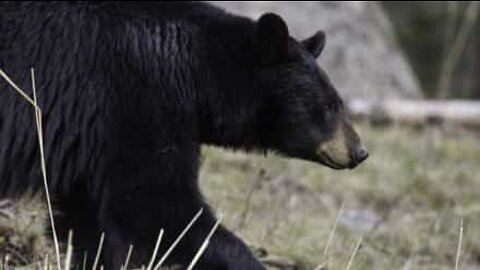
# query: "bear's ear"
271, 38
315, 43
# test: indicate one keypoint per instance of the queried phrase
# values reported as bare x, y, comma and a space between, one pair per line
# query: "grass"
406, 203
22, 234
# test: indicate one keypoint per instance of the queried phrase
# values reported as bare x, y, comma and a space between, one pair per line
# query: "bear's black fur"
130, 91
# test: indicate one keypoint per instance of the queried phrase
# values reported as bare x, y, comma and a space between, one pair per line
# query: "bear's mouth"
326, 160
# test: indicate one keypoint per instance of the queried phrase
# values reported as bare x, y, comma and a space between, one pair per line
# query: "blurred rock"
362, 220
362, 56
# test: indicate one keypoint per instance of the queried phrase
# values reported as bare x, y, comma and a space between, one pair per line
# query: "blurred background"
391, 48
409, 73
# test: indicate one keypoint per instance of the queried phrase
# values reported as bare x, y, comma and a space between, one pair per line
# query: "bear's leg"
149, 193
78, 214
225, 251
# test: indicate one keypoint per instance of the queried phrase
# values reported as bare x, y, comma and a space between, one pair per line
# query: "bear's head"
303, 116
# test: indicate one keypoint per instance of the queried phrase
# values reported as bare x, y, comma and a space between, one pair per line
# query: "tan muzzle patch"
336, 150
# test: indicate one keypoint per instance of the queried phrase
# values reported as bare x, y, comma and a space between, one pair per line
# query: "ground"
406, 201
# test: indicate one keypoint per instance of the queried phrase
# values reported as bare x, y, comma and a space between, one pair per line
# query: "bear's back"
71, 46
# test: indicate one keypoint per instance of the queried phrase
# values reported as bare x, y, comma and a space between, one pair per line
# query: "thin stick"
357, 246
7, 260
175, 243
459, 246
38, 118
154, 255
16, 88
127, 259
204, 245
326, 249
248, 200
42, 154
68, 257
450, 26
46, 262
84, 267
332, 233
450, 63
99, 251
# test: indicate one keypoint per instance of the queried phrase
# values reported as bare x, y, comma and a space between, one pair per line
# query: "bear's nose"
360, 155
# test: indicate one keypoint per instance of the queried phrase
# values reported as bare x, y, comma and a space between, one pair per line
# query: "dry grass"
22, 234
407, 202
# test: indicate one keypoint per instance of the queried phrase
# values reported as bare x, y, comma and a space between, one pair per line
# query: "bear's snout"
343, 150
360, 155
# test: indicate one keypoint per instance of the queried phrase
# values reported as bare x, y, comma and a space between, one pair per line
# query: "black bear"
131, 90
